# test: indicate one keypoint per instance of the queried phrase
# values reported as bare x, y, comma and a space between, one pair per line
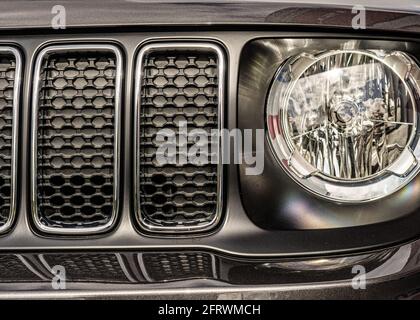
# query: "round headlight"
344, 124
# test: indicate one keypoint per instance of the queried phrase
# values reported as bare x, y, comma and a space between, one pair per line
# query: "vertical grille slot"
76, 139
9, 83
178, 82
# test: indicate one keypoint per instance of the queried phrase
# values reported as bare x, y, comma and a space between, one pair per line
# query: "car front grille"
76, 121
179, 89
9, 71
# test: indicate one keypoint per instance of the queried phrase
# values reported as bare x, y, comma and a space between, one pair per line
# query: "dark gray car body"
244, 259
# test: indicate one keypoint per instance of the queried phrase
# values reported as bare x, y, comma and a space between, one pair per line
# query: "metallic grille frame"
57, 48
168, 44
15, 125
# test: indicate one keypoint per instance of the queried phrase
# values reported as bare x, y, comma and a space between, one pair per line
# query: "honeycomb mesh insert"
7, 83
178, 266
12, 269
100, 267
76, 139
178, 86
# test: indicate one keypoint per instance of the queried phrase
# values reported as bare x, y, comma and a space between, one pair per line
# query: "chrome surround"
157, 44
34, 122
15, 125
409, 158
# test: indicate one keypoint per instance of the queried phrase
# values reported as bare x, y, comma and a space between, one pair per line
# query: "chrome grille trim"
60, 48
190, 44
15, 125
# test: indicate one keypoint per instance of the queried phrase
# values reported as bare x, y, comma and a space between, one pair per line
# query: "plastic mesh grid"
178, 86
7, 83
12, 269
76, 139
100, 267
178, 266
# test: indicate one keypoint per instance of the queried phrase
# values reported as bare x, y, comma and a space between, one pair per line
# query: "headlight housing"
344, 123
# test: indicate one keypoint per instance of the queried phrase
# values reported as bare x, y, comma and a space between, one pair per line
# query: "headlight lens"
344, 123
